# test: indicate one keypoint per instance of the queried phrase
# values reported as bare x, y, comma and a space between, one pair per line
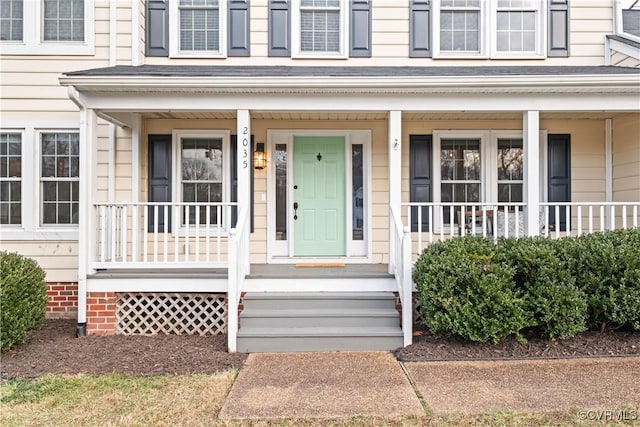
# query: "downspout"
81, 327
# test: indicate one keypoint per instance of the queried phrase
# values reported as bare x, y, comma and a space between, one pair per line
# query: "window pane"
510, 159
357, 171
59, 176
11, 20
63, 20
516, 31
10, 178
281, 192
320, 30
199, 27
631, 19
459, 31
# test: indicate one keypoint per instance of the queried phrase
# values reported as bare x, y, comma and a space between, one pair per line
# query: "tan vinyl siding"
59, 259
626, 158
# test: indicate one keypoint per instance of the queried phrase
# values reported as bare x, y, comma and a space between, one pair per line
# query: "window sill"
320, 55
198, 55
50, 49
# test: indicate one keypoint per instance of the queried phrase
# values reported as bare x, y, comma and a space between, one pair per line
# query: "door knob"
295, 210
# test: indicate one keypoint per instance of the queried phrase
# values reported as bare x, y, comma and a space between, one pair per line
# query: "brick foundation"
62, 300
101, 313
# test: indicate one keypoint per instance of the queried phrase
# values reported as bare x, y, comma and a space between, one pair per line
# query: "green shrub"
558, 307
465, 292
23, 298
606, 267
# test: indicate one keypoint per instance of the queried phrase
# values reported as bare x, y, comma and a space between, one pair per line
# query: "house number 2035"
245, 147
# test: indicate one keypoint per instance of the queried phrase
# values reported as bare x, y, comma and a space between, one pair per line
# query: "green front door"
319, 196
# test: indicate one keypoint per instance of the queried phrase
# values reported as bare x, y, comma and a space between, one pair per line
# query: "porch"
423, 168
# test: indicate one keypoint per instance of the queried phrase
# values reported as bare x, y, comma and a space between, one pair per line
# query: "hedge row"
23, 298
481, 291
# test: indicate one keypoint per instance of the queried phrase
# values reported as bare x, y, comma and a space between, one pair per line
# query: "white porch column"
531, 143
244, 169
395, 175
86, 229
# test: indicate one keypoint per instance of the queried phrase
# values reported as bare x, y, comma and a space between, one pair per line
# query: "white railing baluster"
602, 218
165, 237
219, 230
567, 220
612, 217
113, 230
635, 215
419, 229
590, 219
155, 233
103, 232
430, 224
187, 221
197, 233
176, 219
208, 233
624, 216
579, 220
135, 225
557, 220
145, 233
124, 241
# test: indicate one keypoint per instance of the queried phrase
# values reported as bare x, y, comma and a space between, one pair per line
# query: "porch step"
319, 321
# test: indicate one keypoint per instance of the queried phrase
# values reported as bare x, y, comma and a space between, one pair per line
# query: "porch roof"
350, 71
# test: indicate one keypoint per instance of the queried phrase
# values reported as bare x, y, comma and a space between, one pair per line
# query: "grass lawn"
188, 400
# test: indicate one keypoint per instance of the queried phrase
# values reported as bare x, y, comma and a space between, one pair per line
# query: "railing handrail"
590, 203
237, 271
458, 204
197, 204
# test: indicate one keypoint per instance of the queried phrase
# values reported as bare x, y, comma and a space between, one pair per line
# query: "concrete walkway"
321, 385
374, 384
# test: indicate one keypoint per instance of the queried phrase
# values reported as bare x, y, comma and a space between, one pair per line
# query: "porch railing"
431, 222
161, 235
239, 266
401, 268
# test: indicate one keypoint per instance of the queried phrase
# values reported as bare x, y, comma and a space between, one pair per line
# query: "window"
11, 20
460, 179
65, 27
204, 166
11, 178
59, 177
200, 28
489, 28
63, 20
320, 28
510, 170
460, 25
516, 26
628, 18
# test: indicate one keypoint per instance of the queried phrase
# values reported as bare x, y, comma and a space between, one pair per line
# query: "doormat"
319, 264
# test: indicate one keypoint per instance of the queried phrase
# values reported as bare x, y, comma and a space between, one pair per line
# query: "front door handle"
295, 210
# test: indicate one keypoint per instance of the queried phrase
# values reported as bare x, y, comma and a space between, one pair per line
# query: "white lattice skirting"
171, 313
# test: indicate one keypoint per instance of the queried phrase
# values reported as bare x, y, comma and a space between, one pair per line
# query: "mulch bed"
54, 349
427, 346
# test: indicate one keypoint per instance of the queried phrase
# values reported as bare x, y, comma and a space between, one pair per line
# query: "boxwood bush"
557, 305
464, 291
481, 291
23, 298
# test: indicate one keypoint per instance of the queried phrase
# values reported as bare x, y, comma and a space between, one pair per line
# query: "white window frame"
488, 34
42, 179
174, 34
177, 136
14, 179
33, 34
618, 6
31, 227
296, 43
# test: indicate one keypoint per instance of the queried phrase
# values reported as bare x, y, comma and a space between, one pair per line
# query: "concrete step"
279, 318
318, 300
251, 340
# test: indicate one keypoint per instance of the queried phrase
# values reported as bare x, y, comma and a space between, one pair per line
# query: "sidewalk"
374, 384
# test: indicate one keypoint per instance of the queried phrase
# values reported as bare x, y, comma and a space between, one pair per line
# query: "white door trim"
357, 251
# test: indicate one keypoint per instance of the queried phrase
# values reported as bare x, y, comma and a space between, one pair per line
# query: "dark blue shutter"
558, 28
420, 177
360, 29
239, 39
420, 29
279, 28
234, 180
159, 178
157, 33
559, 175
